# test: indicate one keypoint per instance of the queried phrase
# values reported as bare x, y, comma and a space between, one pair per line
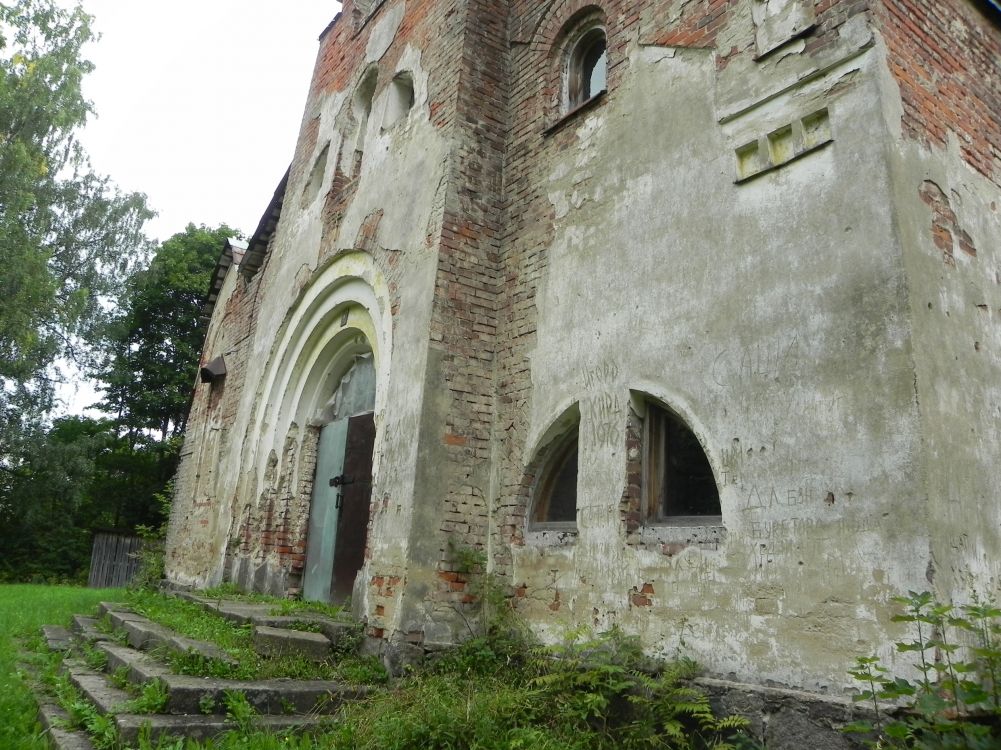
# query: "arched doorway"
342, 486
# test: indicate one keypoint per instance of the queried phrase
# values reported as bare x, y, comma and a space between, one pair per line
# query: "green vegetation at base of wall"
955, 702
498, 690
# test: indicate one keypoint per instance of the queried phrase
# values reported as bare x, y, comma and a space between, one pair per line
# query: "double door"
339, 511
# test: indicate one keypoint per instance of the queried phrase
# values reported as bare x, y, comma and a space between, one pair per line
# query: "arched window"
555, 496
362, 107
587, 66
678, 481
554, 492
400, 98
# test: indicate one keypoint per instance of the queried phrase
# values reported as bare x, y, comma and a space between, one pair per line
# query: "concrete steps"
57, 638
189, 694
195, 707
107, 698
142, 634
286, 642
280, 634
86, 627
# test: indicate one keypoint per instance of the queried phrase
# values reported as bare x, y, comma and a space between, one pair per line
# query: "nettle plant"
956, 700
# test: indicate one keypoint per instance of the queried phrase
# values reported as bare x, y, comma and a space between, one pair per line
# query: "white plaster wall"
195, 539
773, 316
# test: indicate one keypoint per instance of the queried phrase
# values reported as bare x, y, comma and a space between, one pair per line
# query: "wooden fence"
114, 560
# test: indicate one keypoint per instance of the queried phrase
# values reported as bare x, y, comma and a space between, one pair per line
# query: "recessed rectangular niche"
751, 160
783, 145
816, 129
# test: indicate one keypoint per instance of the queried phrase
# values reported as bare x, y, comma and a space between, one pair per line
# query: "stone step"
281, 705
106, 608
256, 613
284, 642
53, 719
240, 613
333, 629
188, 695
86, 628
57, 638
94, 686
141, 667
144, 634
201, 727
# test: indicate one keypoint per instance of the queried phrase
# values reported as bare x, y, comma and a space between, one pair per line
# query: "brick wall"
464, 324
946, 57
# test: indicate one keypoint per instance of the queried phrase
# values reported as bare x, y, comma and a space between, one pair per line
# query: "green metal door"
323, 512
342, 487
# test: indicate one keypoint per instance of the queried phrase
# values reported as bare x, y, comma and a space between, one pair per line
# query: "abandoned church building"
686, 314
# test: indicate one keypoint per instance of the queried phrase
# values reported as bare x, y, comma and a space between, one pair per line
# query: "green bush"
496, 692
956, 700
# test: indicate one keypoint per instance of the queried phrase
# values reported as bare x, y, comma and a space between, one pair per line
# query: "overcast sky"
199, 101
198, 105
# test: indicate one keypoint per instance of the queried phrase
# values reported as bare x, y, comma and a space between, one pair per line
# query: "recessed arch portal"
339, 321
302, 354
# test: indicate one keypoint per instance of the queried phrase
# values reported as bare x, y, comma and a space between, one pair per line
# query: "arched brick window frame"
555, 40
643, 443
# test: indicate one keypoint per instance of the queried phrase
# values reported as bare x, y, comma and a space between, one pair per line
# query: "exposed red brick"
946, 57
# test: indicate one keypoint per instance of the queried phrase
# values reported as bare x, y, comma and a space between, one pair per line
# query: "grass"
23, 610
191, 620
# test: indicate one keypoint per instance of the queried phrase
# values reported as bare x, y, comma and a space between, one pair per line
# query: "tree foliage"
78, 284
84, 475
155, 340
45, 503
67, 235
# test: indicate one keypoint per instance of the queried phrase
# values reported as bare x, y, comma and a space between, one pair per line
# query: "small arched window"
678, 480
362, 107
587, 67
556, 491
400, 98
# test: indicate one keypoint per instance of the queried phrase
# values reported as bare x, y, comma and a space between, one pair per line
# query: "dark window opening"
677, 478
556, 493
588, 70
